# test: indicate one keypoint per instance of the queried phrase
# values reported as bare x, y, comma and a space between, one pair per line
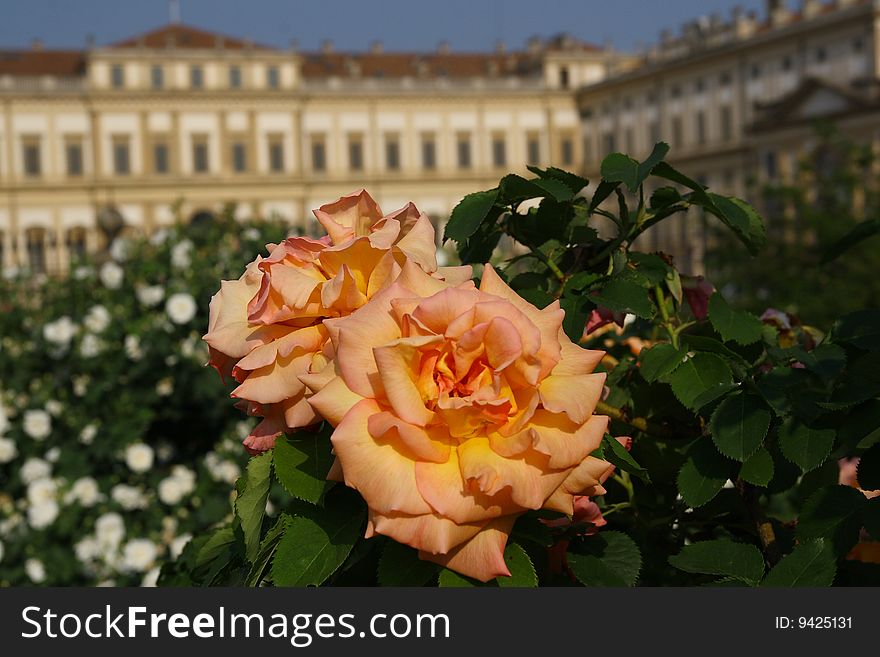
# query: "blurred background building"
178, 123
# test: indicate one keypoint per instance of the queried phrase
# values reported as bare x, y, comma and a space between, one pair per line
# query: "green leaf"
703, 474
617, 455
400, 566
603, 191
522, 572
860, 382
657, 154
469, 214
302, 464
860, 232
708, 396
313, 549
805, 446
622, 295
268, 545
777, 385
721, 557
664, 197
657, 363
868, 473
574, 182
834, 513
617, 167
250, 505
739, 425
215, 555
758, 468
608, 558
810, 564
699, 374
577, 310
826, 360
742, 219
860, 329
451, 579
528, 527
736, 325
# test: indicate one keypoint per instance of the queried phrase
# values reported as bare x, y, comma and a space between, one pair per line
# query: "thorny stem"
766, 535
664, 314
642, 424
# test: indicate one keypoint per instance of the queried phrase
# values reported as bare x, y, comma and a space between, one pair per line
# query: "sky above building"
467, 25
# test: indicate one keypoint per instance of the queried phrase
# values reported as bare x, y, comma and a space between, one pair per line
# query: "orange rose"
456, 410
265, 328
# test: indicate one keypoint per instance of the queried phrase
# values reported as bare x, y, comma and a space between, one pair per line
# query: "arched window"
36, 249
76, 243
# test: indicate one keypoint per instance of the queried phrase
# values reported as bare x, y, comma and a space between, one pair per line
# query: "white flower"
82, 272
177, 545
128, 497
171, 360
133, 347
35, 570
181, 308
90, 346
152, 577
251, 234
85, 491
139, 457
60, 332
180, 254
178, 485
34, 469
159, 237
97, 319
109, 530
119, 249
42, 491
37, 423
53, 455
88, 433
8, 450
138, 555
54, 407
81, 385
165, 387
87, 549
42, 515
150, 295
111, 275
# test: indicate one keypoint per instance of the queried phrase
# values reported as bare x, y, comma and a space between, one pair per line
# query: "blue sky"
353, 25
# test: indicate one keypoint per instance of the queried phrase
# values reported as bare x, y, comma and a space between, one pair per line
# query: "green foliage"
739, 425
250, 505
809, 564
302, 463
522, 572
722, 557
400, 566
607, 559
739, 326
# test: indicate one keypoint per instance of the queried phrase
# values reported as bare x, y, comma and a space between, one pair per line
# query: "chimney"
443, 48
744, 23
778, 12
377, 48
353, 67
326, 47
534, 45
37, 45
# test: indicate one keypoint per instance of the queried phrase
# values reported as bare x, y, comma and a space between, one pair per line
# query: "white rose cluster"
111, 275
180, 483
150, 295
221, 469
139, 457
181, 308
97, 319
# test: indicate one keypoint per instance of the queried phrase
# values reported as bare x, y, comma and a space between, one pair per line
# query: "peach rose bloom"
456, 410
265, 329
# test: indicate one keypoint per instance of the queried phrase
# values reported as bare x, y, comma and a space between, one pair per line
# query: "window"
533, 150
196, 77
392, 152
608, 143
653, 132
73, 155
117, 76
234, 77
355, 153
588, 149
677, 132
319, 154
160, 158
239, 157
675, 92
463, 150
701, 127
36, 249
725, 79
272, 77
629, 140
786, 63
567, 151
821, 54
276, 154
200, 154
564, 77
858, 44
499, 151
770, 165
429, 152
726, 123
121, 156
755, 72
76, 243
157, 77
700, 86
31, 156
